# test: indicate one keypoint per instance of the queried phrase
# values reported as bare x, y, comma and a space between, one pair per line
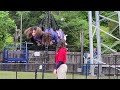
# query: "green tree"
29, 19
73, 23
6, 24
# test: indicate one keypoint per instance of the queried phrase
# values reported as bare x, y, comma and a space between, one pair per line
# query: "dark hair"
34, 27
47, 38
61, 43
28, 32
38, 31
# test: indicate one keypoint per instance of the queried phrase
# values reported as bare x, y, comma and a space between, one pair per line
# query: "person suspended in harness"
44, 37
61, 35
35, 34
51, 35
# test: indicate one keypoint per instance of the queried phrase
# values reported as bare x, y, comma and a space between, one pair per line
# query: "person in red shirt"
60, 60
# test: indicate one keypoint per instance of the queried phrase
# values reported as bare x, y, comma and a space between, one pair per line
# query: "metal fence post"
16, 71
35, 73
86, 71
73, 72
117, 74
98, 72
43, 67
109, 71
115, 64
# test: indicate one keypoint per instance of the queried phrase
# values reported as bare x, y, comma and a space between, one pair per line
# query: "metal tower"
95, 24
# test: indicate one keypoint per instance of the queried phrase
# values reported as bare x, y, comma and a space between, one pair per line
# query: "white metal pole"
98, 40
81, 44
119, 20
21, 33
91, 42
16, 37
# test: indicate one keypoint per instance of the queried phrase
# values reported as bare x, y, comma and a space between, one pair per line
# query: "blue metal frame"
23, 54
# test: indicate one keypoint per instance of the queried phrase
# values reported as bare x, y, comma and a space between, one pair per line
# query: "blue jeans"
86, 68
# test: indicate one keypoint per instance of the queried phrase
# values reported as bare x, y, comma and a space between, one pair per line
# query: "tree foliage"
6, 24
71, 22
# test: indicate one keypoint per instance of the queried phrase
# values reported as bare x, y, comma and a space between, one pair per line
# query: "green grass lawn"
31, 75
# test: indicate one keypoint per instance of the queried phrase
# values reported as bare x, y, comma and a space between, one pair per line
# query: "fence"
76, 69
42, 71
72, 57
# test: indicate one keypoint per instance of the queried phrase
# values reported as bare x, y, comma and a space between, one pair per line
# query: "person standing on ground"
60, 60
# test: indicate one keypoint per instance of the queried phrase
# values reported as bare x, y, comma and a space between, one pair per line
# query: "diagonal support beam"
108, 18
108, 33
108, 47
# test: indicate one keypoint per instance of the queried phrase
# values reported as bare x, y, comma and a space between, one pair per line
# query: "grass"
31, 75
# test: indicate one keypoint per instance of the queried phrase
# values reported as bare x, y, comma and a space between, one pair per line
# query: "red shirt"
61, 55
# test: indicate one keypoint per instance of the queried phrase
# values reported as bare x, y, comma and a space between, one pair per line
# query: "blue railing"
15, 54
